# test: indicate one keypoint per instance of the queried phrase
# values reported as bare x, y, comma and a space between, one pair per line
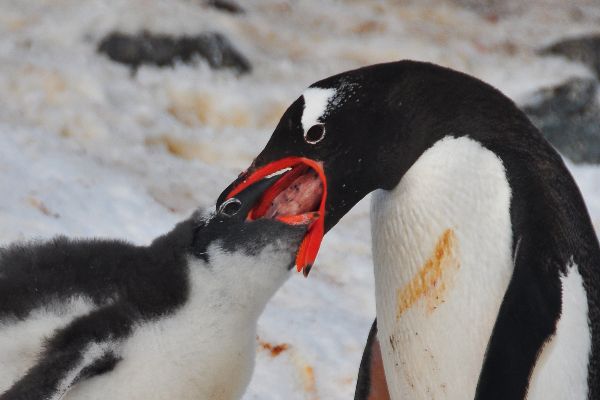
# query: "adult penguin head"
344, 137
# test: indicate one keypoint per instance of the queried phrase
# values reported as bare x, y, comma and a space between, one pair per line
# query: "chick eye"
315, 134
230, 207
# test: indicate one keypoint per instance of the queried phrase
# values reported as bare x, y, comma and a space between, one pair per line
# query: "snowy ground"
87, 149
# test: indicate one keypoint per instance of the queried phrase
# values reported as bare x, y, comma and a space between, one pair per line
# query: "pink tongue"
303, 195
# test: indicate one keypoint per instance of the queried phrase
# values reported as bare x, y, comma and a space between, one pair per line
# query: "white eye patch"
316, 101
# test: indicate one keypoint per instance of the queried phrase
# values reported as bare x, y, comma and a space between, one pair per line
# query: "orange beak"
296, 166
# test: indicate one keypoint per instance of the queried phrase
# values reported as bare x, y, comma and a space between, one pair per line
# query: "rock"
164, 50
569, 117
226, 5
491, 10
584, 49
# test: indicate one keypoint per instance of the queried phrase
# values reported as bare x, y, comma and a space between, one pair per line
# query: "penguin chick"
105, 319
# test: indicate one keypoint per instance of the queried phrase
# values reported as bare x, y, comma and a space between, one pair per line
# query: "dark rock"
491, 10
584, 49
569, 117
164, 50
226, 5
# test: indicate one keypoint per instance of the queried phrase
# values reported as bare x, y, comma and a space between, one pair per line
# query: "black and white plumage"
105, 319
487, 267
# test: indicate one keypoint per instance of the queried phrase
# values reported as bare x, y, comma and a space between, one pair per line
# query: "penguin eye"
315, 134
230, 207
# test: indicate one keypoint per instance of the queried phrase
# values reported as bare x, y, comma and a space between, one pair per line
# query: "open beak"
295, 194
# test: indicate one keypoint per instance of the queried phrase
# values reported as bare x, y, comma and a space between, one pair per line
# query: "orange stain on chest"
433, 278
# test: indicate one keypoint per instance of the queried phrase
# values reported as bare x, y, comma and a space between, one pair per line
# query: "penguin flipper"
371, 384
526, 321
87, 347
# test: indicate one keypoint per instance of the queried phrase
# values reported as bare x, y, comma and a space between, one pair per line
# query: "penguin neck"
442, 248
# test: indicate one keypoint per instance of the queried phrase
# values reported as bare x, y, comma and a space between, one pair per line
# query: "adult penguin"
487, 266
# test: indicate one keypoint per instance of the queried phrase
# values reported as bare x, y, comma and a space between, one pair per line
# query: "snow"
89, 149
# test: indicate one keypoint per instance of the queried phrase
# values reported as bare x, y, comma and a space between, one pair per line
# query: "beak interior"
292, 190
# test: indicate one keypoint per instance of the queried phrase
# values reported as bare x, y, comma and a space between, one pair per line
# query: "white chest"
442, 243
200, 352
161, 361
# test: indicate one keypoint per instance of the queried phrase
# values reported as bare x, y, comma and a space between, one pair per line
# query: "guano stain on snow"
433, 278
310, 383
308, 380
274, 349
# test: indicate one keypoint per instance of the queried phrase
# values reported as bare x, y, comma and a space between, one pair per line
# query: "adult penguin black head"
353, 133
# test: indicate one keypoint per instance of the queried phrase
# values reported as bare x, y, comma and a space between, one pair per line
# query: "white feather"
316, 101
460, 187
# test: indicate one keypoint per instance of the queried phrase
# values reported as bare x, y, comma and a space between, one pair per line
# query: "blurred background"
118, 118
